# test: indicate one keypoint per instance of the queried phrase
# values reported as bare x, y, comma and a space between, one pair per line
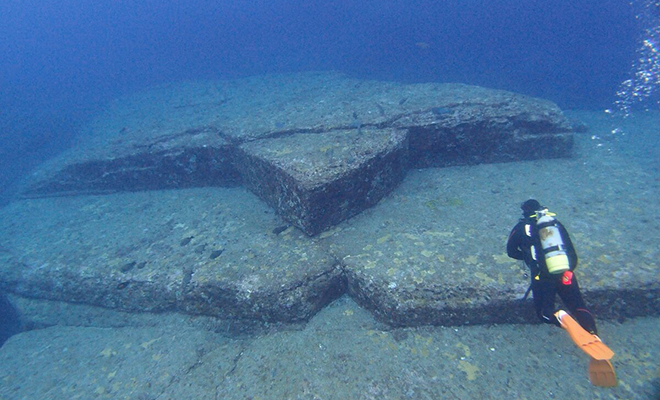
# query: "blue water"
61, 60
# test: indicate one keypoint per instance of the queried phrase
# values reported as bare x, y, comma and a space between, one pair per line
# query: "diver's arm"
514, 242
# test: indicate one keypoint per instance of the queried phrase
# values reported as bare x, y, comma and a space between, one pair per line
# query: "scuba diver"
543, 243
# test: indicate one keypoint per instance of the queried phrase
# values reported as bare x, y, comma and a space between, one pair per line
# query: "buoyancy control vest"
552, 244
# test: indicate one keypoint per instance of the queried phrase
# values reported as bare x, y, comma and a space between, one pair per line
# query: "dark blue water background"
60, 60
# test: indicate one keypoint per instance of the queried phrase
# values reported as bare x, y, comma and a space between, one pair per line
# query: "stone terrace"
317, 147
328, 155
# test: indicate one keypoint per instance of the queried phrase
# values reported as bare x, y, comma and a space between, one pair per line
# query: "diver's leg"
572, 298
544, 291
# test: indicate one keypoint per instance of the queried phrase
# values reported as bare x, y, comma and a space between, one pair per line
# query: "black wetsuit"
545, 285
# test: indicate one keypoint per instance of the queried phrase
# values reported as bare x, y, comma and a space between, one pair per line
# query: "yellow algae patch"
100, 390
379, 336
282, 152
439, 234
112, 374
108, 352
369, 247
348, 312
165, 377
287, 231
419, 243
604, 258
392, 271
325, 149
383, 239
465, 348
472, 260
432, 204
592, 243
648, 267
640, 360
469, 369
425, 339
502, 258
329, 233
441, 257
423, 351
484, 277
115, 262
146, 345
427, 253
411, 236
392, 346
370, 264
156, 357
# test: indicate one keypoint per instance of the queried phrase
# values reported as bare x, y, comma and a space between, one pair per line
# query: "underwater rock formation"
431, 252
317, 181
357, 137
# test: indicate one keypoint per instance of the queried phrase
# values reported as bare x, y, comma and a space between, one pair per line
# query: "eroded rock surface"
428, 249
432, 252
216, 134
317, 182
201, 251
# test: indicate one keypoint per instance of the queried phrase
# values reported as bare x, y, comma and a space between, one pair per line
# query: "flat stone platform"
430, 252
317, 147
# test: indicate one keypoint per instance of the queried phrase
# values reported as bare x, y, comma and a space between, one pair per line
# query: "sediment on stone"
317, 182
295, 301
427, 307
208, 134
146, 171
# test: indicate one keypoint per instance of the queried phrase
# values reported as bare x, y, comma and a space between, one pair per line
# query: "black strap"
529, 289
553, 248
546, 224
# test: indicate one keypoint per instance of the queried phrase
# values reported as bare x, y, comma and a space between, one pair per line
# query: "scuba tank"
552, 244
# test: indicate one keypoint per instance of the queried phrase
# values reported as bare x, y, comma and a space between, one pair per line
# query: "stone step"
361, 137
431, 252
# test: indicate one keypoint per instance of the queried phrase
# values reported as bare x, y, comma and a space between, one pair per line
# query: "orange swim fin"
601, 373
587, 342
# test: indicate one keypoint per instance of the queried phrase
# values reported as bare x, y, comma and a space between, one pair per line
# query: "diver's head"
530, 207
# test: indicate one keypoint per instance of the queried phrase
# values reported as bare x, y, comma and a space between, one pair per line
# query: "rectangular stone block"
486, 126
315, 181
156, 165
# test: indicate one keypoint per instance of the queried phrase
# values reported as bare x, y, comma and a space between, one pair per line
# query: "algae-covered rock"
316, 182
213, 133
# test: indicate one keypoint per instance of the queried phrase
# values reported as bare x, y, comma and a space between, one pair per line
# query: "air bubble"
643, 85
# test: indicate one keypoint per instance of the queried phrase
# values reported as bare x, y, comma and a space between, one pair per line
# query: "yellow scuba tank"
553, 246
